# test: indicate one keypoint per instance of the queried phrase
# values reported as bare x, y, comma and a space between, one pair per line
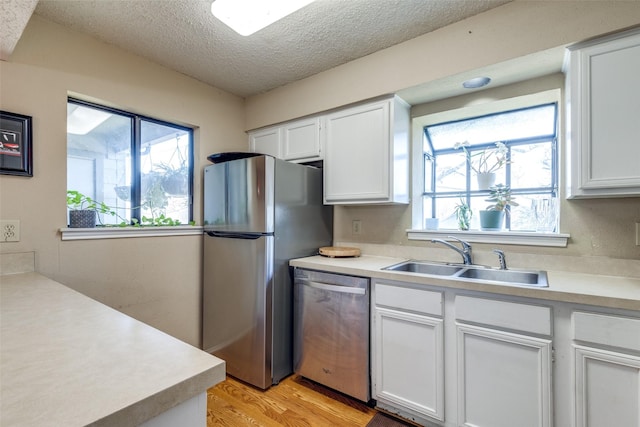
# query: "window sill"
128, 232
558, 240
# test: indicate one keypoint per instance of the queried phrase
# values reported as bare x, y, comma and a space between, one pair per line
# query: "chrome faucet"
501, 259
465, 252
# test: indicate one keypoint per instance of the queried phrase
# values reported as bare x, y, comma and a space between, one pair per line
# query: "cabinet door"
604, 88
504, 379
607, 388
408, 358
357, 158
266, 141
301, 140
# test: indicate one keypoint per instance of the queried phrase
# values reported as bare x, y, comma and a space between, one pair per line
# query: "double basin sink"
474, 273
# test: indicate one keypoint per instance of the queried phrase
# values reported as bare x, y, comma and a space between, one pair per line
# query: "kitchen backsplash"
19, 262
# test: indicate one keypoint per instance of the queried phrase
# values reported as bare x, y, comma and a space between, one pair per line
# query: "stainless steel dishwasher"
331, 331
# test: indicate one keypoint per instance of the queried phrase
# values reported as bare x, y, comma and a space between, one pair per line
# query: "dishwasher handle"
334, 288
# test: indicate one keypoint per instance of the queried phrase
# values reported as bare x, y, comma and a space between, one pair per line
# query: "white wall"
156, 280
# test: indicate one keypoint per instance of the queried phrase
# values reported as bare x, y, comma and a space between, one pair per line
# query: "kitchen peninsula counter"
578, 288
68, 360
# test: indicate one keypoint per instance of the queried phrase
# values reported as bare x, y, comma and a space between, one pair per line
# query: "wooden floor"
296, 401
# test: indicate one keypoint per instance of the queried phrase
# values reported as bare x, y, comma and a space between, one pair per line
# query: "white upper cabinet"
267, 141
365, 150
366, 159
301, 140
604, 124
297, 141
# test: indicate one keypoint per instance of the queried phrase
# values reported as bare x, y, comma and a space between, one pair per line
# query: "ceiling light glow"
248, 16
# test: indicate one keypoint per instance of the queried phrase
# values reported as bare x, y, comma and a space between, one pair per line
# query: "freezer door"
237, 288
239, 195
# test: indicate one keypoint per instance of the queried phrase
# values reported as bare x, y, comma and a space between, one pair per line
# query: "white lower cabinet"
504, 376
504, 379
454, 358
607, 370
408, 351
492, 359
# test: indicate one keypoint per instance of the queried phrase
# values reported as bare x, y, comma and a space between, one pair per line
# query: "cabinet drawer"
534, 319
417, 300
616, 331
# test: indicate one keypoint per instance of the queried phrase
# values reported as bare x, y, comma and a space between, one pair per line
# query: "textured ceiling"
14, 15
184, 36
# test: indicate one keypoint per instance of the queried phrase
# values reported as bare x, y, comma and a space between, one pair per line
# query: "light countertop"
67, 360
591, 289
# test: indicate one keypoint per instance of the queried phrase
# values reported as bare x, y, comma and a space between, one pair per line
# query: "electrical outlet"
637, 233
356, 226
10, 230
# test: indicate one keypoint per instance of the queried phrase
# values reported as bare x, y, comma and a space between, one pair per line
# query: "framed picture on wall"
15, 144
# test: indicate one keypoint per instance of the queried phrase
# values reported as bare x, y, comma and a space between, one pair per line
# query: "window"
518, 145
138, 166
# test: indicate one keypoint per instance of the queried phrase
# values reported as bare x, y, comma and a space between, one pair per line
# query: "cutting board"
339, 252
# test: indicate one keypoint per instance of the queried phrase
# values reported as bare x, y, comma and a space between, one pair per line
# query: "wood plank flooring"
295, 402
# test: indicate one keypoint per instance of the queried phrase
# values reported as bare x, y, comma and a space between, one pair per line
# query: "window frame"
551, 190
426, 117
136, 164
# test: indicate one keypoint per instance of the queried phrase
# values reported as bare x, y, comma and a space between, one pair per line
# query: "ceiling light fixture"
476, 82
246, 17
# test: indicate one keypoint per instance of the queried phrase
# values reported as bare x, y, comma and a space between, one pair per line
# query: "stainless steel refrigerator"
259, 212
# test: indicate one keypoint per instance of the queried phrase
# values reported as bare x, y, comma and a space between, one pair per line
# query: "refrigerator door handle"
335, 288
249, 236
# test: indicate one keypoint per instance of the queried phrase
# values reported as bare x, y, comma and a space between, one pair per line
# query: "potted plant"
175, 173
83, 210
175, 181
500, 197
485, 163
463, 214
123, 192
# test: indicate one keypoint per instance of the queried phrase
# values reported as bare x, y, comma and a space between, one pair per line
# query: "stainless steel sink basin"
516, 277
425, 268
473, 273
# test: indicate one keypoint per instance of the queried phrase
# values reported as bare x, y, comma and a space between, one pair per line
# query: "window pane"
445, 211
531, 166
106, 162
511, 125
165, 171
536, 212
99, 158
529, 138
428, 174
451, 172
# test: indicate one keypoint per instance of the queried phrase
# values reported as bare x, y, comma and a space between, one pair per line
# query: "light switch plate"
9, 230
637, 233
